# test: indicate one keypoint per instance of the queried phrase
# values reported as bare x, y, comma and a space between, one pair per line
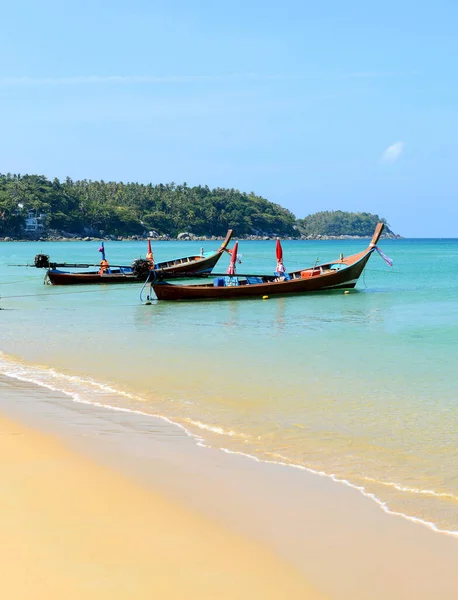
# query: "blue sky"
348, 105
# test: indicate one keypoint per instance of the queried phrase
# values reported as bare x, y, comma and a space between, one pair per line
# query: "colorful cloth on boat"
386, 258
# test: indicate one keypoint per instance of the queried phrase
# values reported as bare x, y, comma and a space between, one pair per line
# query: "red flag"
149, 254
279, 251
231, 267
280, 268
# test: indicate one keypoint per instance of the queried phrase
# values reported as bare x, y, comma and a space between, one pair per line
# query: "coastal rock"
185, 235
90, 231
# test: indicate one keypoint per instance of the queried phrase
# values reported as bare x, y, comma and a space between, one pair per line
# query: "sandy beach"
100, 503
72, 529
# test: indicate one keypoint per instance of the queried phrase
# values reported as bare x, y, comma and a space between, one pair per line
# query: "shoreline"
204, 238
310, 528
73, 529
198, 438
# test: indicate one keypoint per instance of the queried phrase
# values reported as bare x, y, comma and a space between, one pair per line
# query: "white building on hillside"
34, 222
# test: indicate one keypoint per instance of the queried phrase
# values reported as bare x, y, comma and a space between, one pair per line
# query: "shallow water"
361, 386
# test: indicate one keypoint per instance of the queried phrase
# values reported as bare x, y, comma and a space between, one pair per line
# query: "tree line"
88, 207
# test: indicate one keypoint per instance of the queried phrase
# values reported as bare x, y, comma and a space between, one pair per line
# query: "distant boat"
338, 274
190, 266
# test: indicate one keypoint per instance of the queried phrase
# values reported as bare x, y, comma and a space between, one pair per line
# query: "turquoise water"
359, 386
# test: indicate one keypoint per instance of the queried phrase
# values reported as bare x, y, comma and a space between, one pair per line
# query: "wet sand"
73, 529
274, 526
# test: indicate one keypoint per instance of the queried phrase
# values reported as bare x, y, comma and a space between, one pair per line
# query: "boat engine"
141, 267
41, 261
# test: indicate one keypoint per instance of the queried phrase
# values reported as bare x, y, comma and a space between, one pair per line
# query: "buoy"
265, 297
346, 292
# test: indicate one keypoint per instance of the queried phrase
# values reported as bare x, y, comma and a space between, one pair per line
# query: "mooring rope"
58, 294
144, 285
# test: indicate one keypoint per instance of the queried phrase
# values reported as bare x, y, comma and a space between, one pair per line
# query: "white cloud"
393, 152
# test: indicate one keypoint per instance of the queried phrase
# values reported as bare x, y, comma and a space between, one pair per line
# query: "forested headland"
33, 206
339, 223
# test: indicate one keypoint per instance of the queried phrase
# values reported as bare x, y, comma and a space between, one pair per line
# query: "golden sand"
72, 529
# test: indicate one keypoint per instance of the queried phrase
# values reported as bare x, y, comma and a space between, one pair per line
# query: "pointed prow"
227, 239
377, 233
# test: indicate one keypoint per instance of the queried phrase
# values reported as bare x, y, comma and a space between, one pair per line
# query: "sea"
361, 387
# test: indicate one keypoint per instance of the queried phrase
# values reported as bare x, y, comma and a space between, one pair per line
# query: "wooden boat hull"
347, 278
193, 266
340, 274
57, 277
190, 266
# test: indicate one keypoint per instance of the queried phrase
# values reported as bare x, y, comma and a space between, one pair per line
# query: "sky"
330, 105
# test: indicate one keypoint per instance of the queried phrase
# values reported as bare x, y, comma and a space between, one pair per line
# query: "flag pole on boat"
104, 266
149, 254
280, 268
231, 268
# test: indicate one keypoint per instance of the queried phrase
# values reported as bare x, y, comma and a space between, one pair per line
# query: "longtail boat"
190, 266
338, 274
